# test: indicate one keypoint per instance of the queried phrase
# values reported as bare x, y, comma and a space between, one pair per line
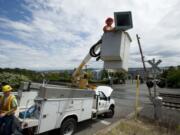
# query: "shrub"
13, 79
173, 78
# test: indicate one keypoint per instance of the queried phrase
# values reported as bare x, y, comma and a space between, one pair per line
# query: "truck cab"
104, 103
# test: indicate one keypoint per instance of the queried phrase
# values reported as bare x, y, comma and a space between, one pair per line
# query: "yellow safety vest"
6, 106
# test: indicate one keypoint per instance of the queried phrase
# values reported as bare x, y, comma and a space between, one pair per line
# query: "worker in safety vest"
108, 27
8, 106
83, 82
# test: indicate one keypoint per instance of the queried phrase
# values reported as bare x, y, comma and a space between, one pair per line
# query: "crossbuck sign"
155, 65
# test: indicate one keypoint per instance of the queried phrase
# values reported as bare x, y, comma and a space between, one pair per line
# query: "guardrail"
14, 93
171, 101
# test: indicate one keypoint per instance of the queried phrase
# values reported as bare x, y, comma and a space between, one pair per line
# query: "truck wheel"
68, 127
110, 114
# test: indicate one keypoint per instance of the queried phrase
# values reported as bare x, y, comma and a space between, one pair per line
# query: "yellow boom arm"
77, 73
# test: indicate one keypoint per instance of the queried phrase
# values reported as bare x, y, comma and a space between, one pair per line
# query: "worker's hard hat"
6, 88
109, 19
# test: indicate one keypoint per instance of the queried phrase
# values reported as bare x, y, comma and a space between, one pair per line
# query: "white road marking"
105, 122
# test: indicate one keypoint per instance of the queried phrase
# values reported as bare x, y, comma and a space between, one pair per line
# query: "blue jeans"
6, 125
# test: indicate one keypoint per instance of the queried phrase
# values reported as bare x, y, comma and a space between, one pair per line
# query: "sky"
57, 34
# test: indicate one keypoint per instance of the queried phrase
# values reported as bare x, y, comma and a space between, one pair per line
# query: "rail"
171, 101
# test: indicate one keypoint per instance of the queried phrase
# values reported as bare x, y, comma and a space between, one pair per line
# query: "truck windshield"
102, 96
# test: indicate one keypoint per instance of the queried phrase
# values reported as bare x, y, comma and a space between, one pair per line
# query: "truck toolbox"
60, 92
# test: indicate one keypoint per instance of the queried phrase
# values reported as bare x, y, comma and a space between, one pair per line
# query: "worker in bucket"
108, 27
8, 106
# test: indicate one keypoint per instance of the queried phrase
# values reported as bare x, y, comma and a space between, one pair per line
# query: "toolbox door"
48, 116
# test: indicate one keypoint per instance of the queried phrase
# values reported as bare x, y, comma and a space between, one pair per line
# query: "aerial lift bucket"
115, 45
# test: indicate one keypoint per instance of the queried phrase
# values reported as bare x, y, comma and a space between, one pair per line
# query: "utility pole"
157, 102
143, 61
142, 57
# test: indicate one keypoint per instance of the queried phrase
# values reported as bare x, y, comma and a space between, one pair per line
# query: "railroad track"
171, 101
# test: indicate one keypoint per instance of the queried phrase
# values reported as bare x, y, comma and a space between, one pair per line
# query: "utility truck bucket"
115, 50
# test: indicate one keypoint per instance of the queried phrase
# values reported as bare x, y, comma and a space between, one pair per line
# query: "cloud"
60, 32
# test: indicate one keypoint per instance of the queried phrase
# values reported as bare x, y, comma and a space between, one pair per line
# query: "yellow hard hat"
6, 88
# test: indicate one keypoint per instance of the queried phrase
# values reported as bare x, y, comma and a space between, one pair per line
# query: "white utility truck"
62, 108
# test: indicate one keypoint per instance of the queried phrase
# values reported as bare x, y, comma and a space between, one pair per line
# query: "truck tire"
110, 114
68, 126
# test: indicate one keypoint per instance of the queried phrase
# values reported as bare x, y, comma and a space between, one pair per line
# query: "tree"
52, 76
89, 74
121, 75
13, 79
172, 77
66, 75
104, 74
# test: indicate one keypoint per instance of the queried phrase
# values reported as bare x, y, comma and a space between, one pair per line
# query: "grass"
141, 127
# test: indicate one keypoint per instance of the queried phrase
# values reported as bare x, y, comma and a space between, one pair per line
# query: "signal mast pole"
142, 57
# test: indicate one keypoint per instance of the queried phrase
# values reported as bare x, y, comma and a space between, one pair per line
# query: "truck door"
102, 103
48, 117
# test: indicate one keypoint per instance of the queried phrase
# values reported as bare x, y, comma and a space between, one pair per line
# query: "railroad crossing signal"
155, 64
